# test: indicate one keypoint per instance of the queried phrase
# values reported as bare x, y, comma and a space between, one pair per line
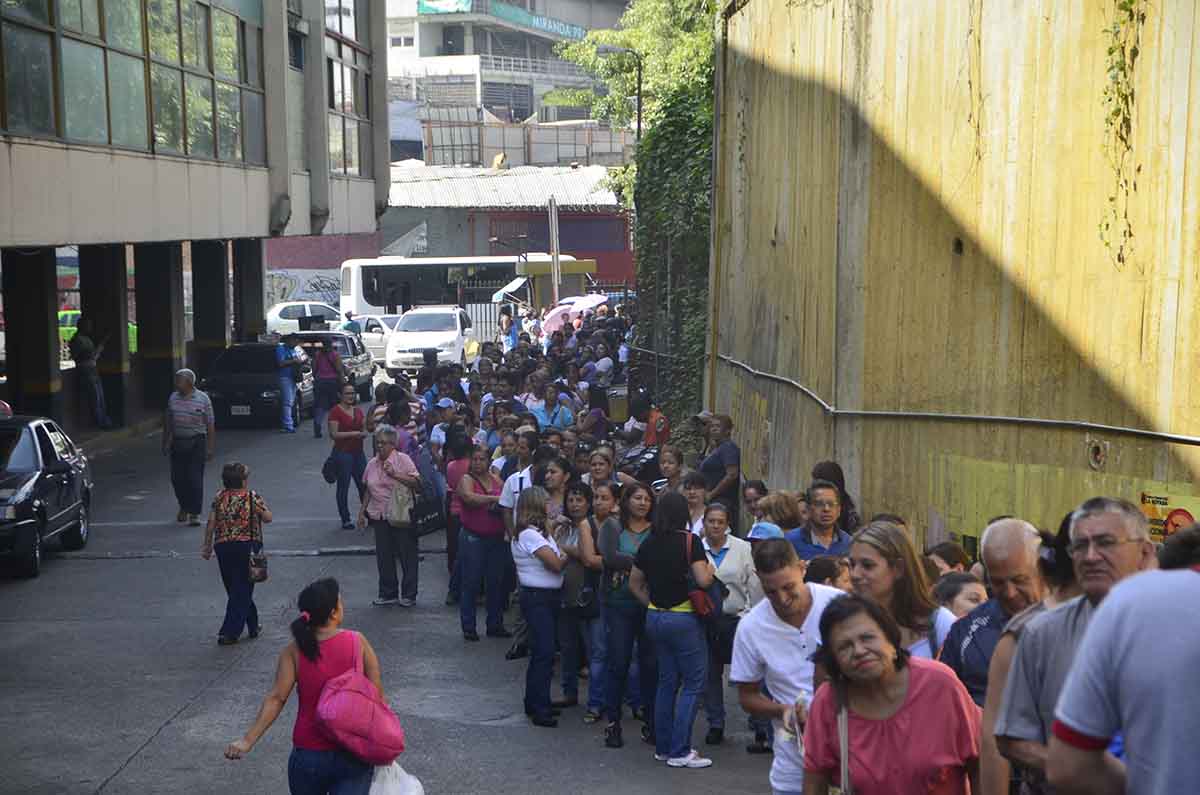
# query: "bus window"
347, 276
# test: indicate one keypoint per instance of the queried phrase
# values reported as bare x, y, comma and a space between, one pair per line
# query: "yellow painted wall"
858, 140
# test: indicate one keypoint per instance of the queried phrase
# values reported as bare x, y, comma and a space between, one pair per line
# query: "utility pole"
555, 263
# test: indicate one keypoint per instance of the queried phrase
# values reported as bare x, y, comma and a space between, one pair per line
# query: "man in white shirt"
518, 481
774, 645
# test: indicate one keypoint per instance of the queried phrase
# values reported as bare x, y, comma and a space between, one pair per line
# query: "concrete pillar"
102, 297
158, 277
275, 62
30, 284
210, 301
316, 118
381, 147
249, 289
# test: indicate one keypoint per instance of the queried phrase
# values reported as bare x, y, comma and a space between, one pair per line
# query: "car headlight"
446, 346
268, 394
8, 512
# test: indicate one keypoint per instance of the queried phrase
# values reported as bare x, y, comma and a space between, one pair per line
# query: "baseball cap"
445, 403
761, 531
703, 416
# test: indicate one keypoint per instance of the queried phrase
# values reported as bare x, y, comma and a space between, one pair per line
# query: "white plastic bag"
393, 780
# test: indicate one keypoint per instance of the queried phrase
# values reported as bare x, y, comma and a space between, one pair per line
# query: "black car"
45, 491
360, 365
243, 386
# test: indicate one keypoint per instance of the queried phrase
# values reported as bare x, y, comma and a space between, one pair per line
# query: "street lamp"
612, 49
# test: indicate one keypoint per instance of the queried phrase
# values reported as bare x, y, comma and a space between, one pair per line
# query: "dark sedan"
45, 491
360, 367
243, 386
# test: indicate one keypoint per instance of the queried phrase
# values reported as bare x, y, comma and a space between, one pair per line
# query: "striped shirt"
189, 416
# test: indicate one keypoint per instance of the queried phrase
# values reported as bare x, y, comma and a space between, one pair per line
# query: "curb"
109, 442
154, 554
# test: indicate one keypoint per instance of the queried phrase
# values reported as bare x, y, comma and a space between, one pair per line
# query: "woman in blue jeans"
233, 532
347, 429
659, 579
481, 554
320, 650
539, 564
624, 615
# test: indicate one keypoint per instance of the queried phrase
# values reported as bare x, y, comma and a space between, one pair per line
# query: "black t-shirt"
663, 559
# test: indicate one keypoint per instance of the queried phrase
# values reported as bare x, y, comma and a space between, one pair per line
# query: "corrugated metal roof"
525, 187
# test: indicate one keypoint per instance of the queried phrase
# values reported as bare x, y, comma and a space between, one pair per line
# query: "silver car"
375, 332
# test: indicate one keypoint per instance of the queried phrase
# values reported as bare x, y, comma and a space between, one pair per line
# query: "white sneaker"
660, 757
692, 759
406, 602
382, 602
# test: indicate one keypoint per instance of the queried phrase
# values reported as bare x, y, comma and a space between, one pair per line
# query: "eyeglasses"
1103, 544
821, 504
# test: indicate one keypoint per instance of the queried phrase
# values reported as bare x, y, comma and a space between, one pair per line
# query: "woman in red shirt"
347, 429
234, 531
912, 727
320, 651
482, 553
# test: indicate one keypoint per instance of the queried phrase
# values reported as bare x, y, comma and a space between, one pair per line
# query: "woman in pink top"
387, 471
913, 728
483, 553
321, 650
458, 460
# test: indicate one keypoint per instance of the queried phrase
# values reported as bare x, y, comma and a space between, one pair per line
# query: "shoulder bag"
843, 727
258, 558
400, 506
707, 602
353, 715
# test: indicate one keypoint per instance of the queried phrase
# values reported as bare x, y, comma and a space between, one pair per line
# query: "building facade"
172, 137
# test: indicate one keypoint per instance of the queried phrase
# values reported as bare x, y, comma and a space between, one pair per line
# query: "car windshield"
390, 320
17, 450
427, 322
247, 360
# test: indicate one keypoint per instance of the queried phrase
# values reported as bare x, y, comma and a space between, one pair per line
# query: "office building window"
85, 100
295, 49
127, 100
348, 77
28, 80
348, 19
190, 84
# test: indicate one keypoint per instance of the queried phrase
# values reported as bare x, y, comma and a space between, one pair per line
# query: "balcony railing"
511, 13
540, 66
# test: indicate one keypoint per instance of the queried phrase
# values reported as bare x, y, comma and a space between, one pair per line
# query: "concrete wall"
53, 193
908, 203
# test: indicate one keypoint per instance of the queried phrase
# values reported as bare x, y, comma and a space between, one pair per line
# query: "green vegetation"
1124, 46
670, 184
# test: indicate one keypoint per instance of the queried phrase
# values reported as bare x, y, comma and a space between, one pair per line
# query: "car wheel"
29, 553
77, 536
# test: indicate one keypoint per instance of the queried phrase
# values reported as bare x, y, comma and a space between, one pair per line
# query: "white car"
375, 332
284, 318
444, 328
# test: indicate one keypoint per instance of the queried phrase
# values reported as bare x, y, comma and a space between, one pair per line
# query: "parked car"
444, 328
68, 327
284, 318
244, 386
360, 367
375, 332
45, 491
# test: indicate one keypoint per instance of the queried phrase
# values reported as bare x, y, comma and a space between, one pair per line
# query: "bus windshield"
428, 321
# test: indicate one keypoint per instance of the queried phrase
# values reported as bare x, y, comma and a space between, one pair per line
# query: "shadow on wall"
912, 226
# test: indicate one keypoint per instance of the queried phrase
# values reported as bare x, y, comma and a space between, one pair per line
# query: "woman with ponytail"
319, 651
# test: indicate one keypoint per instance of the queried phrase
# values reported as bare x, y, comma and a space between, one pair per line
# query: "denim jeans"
597, 649
187, 472
454, 542
93, 390
390, 542
350, 466
327, 773
626, 624
233, 558
571, 644
714, 694
325, 397
540, 606
481, 559
682, 667
287, 399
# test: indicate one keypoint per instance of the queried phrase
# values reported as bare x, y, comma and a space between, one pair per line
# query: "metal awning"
511, 287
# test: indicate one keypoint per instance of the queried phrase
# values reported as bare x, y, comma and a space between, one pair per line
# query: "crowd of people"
862, 662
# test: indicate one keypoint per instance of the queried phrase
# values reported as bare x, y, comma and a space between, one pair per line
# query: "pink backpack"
355, 717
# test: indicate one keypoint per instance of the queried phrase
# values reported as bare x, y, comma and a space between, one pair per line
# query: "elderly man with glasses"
1109, 541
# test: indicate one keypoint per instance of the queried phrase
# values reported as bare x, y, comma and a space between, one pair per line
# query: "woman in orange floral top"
234, 531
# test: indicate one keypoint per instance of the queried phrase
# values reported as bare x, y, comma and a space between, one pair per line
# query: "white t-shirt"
769, 650
438, 434
942, 622
531, 572
697, 526
516, 483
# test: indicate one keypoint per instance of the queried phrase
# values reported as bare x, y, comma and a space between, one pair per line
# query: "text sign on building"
520, 16
443, 6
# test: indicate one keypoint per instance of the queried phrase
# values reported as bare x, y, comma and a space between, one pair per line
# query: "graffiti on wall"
297, 284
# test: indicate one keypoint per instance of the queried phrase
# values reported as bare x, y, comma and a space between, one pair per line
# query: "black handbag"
329, 470
428, 510
258, 559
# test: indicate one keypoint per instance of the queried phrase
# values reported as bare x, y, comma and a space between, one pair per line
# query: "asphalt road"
112, 681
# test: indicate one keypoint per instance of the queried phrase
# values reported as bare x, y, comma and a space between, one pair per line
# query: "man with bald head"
1009, 550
